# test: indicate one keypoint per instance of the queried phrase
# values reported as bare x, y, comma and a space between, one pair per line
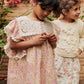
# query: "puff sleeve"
12, 31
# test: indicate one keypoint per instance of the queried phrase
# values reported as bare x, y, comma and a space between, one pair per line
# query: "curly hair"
65, 4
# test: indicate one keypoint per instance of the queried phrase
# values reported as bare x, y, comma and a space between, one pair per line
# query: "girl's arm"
38, 40
81, 40
21, 45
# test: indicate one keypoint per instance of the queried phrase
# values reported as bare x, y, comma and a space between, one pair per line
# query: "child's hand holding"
52, 39
40, 39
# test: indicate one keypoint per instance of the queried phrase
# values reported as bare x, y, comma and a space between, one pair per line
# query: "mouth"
77, 15
43, 16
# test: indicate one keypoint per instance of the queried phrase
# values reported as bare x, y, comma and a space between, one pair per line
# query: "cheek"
74, 13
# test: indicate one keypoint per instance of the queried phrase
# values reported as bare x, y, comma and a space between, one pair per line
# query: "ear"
64, 11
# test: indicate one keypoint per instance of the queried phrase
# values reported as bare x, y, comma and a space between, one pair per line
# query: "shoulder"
56, 21
22, 18
80, 22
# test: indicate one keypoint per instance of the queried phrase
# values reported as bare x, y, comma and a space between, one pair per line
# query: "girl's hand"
52, 39
37, 40
40, 39
79, 51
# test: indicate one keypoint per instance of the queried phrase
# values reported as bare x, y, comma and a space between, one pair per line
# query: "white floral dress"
71, 38
34, 65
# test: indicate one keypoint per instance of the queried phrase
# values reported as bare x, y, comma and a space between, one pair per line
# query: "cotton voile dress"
34, 65
71, 39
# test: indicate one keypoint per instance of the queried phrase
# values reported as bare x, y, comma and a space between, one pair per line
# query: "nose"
78, 11
46, 13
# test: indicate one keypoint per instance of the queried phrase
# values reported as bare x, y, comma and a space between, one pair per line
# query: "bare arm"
22, 44
38, 40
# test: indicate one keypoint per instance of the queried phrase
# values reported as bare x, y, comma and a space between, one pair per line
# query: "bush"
3, 22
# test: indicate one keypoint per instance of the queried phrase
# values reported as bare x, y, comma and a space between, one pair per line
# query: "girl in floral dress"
70, 43
30, 43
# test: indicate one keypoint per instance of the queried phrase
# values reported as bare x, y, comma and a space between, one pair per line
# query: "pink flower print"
54, 81
36, 74
42, 63
31, 65
10, 63
11, 71
21, 68
46, 72
24, 75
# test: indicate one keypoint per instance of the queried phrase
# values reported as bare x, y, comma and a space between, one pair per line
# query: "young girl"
30, 46
70, 43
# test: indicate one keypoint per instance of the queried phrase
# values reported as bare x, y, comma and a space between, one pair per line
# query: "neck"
68, 20
33, 16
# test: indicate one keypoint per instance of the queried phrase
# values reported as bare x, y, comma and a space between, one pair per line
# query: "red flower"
8, 0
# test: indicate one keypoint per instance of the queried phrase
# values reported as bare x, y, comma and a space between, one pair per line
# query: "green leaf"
50, 17
2, 45
3, 52
0, 65
1, 40
3, 8
0, 55
29, 13
82, 17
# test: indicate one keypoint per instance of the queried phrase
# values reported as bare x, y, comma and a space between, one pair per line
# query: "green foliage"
3, 23
82, 16
29, 13
50, 17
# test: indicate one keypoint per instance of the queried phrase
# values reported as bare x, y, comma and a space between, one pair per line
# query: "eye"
76, 9
49, 10
43, 8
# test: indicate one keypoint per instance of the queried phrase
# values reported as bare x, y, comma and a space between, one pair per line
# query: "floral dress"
71, 39
34, 65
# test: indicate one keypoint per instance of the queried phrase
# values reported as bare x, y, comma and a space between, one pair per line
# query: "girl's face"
41, 12
74, 12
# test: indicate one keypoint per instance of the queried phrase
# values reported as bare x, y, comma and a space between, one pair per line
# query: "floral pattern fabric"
67, 70
71, 39
34, 65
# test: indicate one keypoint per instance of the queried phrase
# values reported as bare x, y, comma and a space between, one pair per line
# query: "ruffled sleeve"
81, 40
12, 31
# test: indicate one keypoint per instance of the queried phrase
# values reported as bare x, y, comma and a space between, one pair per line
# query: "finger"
45, 37
43, 34
52, 35
53, 40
